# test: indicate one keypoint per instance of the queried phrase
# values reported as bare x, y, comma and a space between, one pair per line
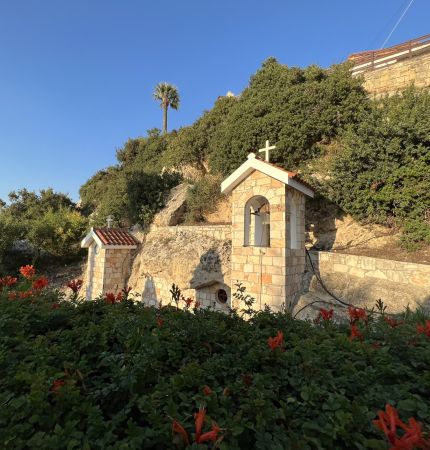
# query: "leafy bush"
202, 198
48, 221
108, 374
382, 174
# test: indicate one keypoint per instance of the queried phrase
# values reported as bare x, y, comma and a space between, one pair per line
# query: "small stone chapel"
267, 245
268, 230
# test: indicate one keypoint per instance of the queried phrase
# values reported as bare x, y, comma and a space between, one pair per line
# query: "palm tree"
168, 95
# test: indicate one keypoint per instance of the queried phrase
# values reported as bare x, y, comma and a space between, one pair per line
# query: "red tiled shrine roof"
115, 236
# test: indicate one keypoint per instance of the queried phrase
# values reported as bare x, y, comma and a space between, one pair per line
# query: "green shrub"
202, 198
382, 174
97, 375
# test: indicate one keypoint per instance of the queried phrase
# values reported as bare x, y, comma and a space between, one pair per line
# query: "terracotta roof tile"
115, 236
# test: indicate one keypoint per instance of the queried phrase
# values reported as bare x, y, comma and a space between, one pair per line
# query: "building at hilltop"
392, 69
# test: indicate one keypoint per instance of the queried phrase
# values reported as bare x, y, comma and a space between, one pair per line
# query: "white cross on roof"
266, 150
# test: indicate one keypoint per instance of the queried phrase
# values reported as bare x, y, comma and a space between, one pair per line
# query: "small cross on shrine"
266, 150
109, 221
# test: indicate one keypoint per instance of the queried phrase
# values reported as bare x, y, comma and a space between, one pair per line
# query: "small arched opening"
257, 222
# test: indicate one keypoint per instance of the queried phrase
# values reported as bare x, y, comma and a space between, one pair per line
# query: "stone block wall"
362, 280
220, 232
117, 269
390, 78
107, 270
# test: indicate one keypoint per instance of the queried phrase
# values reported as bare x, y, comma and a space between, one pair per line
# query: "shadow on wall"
209, 283
321, 215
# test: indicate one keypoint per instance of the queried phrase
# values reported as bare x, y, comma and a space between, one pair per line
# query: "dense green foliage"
134, 190
383, 173
48, 221
115, 376
373, 156
202, 198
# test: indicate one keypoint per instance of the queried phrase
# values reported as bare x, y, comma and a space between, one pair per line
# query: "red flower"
325, 314
40, 283
355, 333
160, 322
26, 294
7, 281
207, 390
75, 285
179, 429
356, 314
57, 385
27, 271
188, 302
276, 342
210, 435
199, 419
119, 297
110, 298
55, 306
424, 329
12, 295
388, 421
393, 323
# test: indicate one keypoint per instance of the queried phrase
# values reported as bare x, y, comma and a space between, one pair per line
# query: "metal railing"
369, 59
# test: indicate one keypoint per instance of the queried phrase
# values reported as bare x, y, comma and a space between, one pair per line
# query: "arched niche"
257, 222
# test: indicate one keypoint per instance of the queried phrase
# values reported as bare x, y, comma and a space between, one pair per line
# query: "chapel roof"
110, 237
291, 179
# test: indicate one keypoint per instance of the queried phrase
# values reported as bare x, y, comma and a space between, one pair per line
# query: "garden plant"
114, 373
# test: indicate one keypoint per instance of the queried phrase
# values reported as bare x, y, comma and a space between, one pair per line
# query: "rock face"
175, 208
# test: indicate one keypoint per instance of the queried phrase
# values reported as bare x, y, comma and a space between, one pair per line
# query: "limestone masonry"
393, 69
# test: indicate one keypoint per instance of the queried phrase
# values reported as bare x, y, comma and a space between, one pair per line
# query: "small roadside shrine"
109, 260
268, 230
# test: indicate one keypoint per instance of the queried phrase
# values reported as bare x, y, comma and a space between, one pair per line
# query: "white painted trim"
253, 164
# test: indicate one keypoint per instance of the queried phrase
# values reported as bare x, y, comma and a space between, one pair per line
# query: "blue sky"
76, 77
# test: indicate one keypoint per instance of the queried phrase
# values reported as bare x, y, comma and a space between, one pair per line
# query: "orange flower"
179, 429
207, 390
27, 271
75, 285
160, 322
199, 419
40, 283
355, 333
26, 294
388, 421
210, 435
276, 342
